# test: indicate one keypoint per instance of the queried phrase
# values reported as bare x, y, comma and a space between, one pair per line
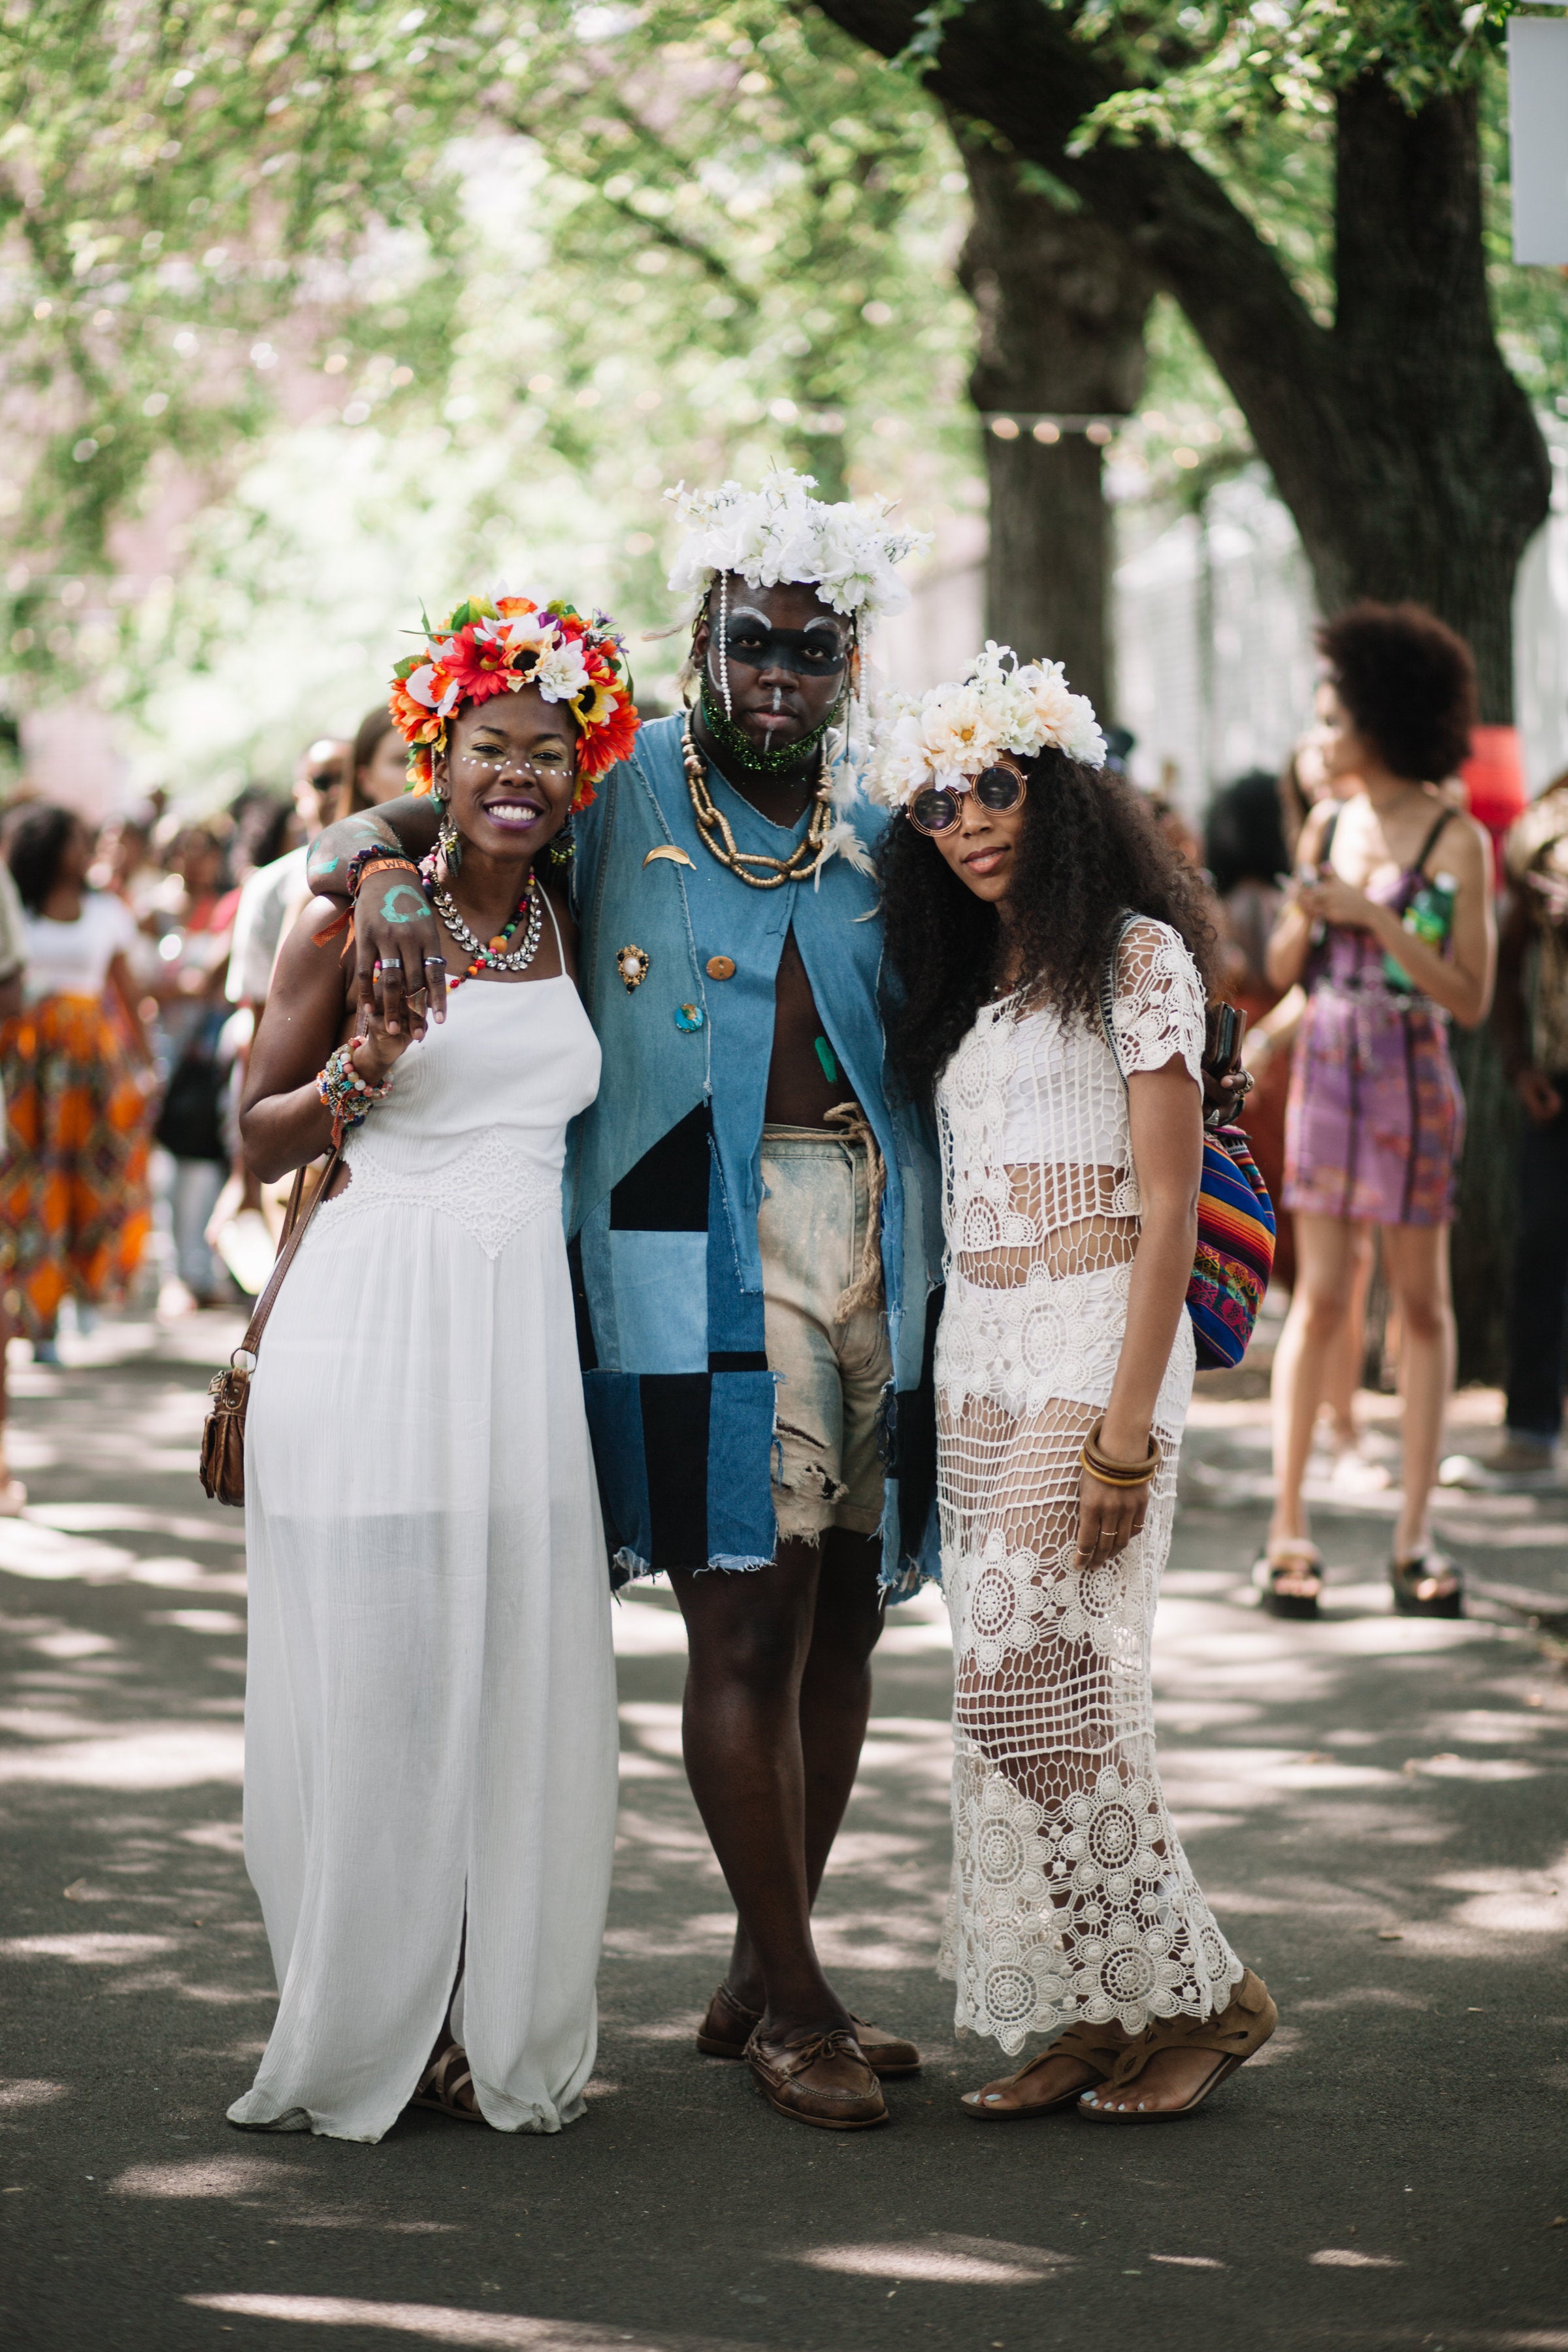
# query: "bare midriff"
1077, 1222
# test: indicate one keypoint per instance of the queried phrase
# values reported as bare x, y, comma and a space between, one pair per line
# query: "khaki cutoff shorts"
815, 1229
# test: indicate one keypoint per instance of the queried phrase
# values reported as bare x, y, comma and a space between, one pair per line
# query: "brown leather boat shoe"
727, 2026
730, 2025
825, 2080
888, 2054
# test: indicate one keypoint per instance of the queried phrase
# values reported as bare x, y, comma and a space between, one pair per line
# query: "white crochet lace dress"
1071, 1897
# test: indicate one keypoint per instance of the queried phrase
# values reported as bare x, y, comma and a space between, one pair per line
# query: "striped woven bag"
1236, 1224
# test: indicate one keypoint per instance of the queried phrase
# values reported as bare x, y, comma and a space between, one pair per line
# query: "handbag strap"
1107, 989
295, 1227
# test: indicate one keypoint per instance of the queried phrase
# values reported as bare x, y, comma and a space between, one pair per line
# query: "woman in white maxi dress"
430, 1718
1070, 1221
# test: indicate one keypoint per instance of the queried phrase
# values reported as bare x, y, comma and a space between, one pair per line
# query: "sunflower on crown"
487, 647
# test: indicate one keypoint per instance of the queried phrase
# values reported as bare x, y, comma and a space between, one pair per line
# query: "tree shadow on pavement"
1374, 1808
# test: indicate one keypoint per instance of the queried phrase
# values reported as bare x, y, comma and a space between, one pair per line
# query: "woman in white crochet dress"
1064, 1368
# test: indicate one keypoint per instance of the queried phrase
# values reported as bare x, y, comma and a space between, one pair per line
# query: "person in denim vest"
757, 1226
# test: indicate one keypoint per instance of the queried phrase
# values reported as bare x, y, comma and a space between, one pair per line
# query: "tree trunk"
1060, 304
1403, 447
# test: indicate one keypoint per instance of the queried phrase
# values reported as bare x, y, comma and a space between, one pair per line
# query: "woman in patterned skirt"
1024, 891
74, 1187
1391, 931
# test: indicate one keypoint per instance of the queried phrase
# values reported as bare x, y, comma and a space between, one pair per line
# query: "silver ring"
440, 959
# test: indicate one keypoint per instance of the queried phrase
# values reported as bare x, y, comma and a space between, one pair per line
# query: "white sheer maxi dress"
430, 1715
1071, 1897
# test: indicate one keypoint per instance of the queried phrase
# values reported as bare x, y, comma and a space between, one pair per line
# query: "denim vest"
665, 1185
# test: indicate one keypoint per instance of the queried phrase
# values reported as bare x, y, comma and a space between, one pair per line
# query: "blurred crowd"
135, 958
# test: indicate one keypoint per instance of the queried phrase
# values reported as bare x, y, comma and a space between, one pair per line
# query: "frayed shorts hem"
804, 1520
630, 1568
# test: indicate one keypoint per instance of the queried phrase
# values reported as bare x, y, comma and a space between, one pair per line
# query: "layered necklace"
804, 859
487, 955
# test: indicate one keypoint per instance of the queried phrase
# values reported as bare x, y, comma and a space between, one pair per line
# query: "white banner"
1538, 137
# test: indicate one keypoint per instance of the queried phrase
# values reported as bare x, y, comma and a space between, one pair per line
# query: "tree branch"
1015, 65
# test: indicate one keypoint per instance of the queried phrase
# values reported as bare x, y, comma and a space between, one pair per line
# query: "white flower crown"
779, 533
952, 732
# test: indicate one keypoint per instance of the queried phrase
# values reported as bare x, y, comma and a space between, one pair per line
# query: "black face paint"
753, 644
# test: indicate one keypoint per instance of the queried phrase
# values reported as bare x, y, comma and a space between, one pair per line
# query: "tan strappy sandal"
1234, 2035
1088, 2043
443, 2081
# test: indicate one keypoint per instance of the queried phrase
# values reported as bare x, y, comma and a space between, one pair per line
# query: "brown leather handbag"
223, 1437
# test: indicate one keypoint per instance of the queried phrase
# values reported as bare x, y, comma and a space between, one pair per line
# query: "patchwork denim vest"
665, 1184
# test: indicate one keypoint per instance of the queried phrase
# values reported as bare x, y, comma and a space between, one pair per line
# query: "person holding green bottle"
1389, 930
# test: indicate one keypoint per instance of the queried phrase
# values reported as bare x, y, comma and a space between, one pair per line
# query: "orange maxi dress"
73, 1182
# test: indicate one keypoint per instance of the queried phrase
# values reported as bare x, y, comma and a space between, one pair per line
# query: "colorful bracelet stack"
1111, 1473
346, 1095
375, 860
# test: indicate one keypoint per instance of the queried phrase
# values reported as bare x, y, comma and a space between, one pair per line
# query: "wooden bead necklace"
804, 859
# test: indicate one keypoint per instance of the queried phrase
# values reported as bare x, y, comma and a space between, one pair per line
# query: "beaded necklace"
746, 754
488, 955
804, 859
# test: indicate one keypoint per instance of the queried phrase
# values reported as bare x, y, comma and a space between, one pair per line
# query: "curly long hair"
1089, 852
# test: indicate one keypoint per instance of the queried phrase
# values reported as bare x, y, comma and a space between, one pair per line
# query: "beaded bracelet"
372, 861
346, 1094
1111, 1473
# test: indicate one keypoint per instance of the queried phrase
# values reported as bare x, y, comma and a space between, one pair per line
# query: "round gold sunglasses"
937, 810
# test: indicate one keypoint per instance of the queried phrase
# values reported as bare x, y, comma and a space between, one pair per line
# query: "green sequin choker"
737, 745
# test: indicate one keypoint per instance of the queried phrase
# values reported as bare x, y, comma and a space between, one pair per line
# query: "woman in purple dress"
1390, 929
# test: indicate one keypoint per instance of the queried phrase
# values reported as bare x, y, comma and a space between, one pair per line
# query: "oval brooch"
632, 963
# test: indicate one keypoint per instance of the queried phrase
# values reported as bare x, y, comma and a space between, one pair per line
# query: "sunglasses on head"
938, 811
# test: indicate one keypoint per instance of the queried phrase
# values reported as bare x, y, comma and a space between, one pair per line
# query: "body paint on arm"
417, 908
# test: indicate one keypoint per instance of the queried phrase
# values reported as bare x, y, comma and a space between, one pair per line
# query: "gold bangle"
1111, 1473
1121, 1474
1104, 1477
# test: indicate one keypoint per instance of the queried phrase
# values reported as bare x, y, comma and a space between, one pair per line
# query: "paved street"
1375, 1809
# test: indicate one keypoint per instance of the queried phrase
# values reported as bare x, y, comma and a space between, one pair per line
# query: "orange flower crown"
485, 647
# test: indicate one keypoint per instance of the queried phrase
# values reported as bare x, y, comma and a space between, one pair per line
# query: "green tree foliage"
771, 208
566, 255
734, 246
192, 195
1202, 70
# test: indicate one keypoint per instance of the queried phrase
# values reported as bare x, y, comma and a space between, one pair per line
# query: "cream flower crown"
946, 737
779, 533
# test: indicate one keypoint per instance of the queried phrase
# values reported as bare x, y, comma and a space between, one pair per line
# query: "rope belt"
866, 1290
